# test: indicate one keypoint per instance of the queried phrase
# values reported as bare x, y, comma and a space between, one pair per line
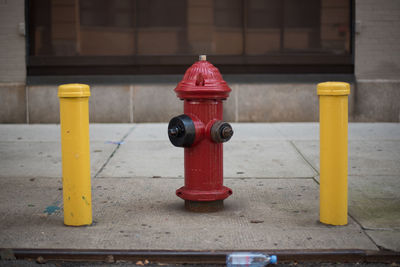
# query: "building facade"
132, 53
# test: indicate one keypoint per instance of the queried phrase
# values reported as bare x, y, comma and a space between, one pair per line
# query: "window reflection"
187, 27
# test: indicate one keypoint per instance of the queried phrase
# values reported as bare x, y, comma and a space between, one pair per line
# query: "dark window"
228, 13
105, 13
264, 14
159, 36
161, 13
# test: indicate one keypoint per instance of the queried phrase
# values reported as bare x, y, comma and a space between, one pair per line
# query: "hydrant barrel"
333, 107
74, 122
201, 131
204, 161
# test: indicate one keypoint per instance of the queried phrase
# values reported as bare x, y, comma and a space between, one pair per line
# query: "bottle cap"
274, 259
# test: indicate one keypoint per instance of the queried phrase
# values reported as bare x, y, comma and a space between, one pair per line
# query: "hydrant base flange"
204, 206
203, 196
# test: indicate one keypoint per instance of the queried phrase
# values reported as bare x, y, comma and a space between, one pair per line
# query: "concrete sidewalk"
272, 168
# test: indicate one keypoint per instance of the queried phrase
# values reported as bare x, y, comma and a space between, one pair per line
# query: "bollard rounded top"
333, 88
74, 90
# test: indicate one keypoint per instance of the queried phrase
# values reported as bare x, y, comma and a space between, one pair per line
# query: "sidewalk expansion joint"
365, 233
115, 150
304, 157
382, 229
353, 218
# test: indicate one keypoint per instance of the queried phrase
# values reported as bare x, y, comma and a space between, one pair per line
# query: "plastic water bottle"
251, 259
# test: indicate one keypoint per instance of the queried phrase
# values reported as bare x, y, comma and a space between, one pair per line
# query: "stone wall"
254, 98
377, 60
12, 61
12, 41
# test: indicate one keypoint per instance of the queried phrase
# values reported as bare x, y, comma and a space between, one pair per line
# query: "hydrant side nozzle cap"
74, 90
333, 88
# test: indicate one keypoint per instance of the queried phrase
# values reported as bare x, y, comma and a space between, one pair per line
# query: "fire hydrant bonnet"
202, 81
74, 90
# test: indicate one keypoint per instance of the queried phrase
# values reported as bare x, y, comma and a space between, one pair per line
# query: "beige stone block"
110, 103
282, 102
155, 103
230, 105
377, 101
277, 102
43, 106
106, 104
12, 103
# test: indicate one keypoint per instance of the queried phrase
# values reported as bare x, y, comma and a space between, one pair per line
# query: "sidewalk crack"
120, 142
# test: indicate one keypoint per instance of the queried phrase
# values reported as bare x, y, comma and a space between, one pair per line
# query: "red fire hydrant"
201, 131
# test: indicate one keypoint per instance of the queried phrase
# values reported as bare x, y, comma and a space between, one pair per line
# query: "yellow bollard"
74, 122
333, 117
